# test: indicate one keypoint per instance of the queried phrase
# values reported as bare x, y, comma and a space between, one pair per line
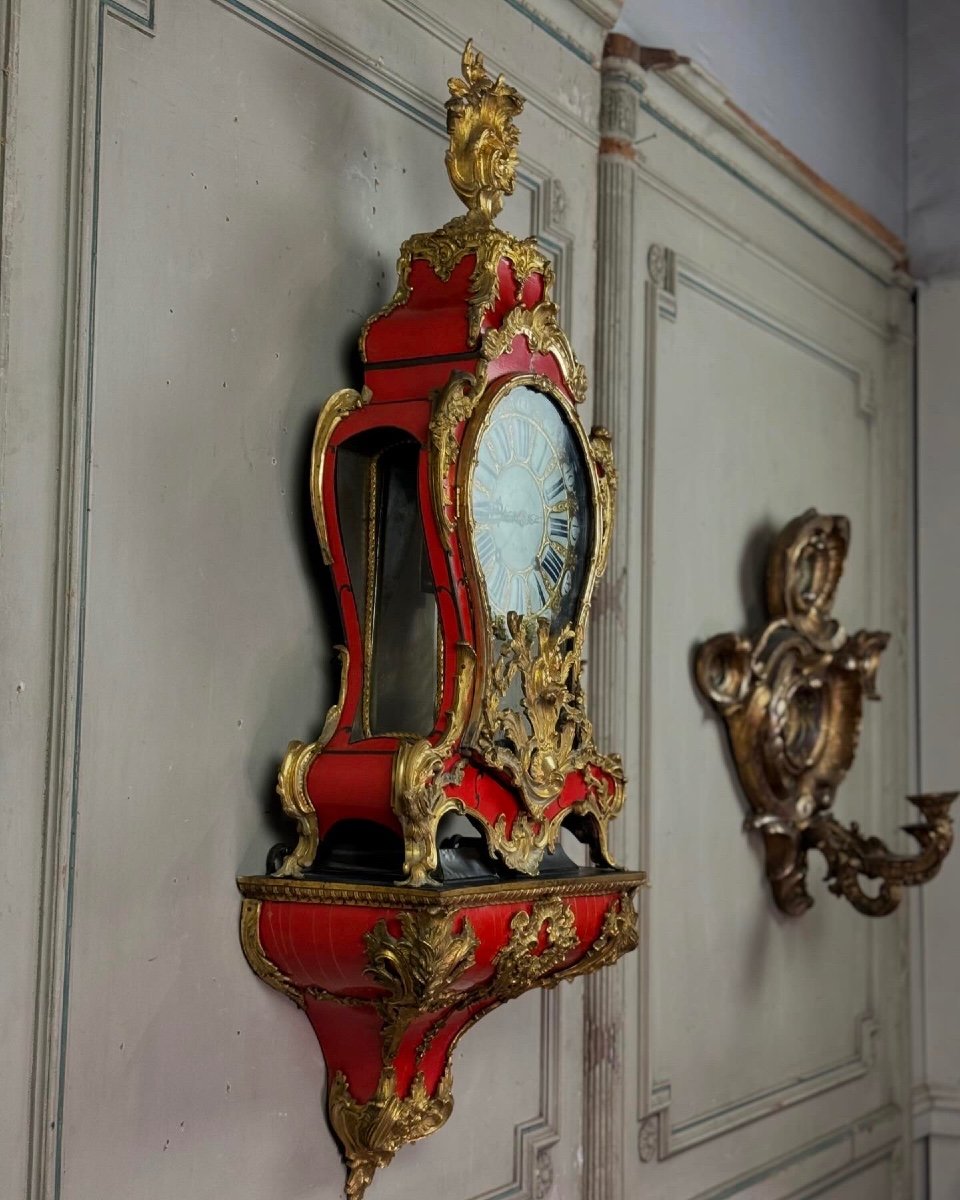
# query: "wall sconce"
792, 702
465, 516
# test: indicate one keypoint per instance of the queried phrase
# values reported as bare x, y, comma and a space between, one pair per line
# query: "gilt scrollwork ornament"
539, 942
423, 793
452, 406
601, 448
481, 163
537, 746
482, 157
338, 406
541, 328
457, 401
424, 786
549, 735
371, 1133
423, 963
419, 968
619, 934
291, 784
792, 701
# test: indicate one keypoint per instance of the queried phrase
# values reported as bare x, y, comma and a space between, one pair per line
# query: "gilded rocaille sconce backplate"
792, 700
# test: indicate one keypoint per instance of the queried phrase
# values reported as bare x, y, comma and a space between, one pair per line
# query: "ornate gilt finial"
482, 158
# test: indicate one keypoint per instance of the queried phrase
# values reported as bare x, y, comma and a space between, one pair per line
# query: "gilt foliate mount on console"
792, 701
465, 516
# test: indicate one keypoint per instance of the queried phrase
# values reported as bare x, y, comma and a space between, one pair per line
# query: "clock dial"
530, 503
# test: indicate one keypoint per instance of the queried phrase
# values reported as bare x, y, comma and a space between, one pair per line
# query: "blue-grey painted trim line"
552, 31
857, 1167
849, 1069
730, 169
725, 300
84, 547
791, 1160
144, 22
337, 65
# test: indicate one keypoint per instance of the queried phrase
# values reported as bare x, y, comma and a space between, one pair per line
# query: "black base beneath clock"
360, 851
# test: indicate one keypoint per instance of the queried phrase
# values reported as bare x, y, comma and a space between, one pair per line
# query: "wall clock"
464, 514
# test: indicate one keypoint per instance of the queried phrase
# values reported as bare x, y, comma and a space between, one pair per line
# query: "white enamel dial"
529, 503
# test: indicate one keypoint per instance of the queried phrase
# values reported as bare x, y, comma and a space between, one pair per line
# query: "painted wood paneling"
238, 178
937, 1057
767, 372
202, 201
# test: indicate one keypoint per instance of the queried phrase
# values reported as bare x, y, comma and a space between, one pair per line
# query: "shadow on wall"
362, 246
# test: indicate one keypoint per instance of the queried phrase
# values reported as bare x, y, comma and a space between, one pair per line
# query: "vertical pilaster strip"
80, 129
603, 1093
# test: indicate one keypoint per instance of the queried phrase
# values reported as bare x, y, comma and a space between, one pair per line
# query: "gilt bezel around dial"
493, 621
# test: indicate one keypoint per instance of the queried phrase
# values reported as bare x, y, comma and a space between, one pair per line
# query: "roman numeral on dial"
523, 439
552, 564
500, 586
518, 594
560, 526
542, 455
555, 489
500, 449
486, 549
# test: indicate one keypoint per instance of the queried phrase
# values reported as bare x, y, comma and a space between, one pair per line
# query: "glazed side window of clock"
530, 508
391, 581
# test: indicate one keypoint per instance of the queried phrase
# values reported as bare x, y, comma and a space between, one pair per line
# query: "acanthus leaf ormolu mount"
465, 517
792, 700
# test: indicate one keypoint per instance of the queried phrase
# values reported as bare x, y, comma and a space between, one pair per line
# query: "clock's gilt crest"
482, 158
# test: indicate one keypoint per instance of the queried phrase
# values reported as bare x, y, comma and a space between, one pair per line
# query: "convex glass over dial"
530, 504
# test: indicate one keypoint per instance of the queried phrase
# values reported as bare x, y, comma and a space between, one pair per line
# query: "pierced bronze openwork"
792, 702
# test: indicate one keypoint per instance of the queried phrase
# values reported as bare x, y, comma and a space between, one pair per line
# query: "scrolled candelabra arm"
792, 702
851, 856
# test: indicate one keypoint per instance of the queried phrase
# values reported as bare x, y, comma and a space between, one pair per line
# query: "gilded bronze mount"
421, 969
792, 701
391, 975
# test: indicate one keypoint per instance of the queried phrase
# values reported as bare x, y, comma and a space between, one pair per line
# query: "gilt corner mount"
465, 515
792, 702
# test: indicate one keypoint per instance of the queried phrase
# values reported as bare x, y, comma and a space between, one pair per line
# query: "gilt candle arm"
792, 702
851, 855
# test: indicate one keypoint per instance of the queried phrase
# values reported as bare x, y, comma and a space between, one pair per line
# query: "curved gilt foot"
296, 805
373, 1132
292, 784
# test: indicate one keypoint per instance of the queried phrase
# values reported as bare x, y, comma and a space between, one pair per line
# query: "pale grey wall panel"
933, 136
